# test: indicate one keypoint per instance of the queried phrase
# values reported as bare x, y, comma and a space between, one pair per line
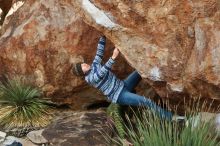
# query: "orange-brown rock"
42, 39
174, 44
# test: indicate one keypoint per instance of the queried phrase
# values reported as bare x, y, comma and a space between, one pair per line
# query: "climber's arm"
108, 65
105, 68
100, 50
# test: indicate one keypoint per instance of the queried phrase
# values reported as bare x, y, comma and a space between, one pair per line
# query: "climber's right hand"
115, 53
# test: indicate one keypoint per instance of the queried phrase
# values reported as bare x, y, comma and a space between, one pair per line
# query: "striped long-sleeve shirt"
101, 77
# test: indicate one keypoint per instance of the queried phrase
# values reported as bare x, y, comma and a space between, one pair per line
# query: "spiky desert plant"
20, 105
147, 129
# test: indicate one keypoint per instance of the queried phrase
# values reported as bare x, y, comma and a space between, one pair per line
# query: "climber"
116, 90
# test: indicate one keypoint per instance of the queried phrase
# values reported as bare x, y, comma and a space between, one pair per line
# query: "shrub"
20, 105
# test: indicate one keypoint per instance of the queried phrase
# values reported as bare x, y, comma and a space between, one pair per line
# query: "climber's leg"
128, 98
132, 80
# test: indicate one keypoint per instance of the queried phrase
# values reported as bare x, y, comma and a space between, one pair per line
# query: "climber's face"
85, 67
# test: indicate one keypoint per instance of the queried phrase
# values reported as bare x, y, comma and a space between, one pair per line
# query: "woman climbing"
116, 90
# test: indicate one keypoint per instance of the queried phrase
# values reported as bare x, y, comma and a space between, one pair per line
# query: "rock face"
36, 137
173, 44
42, 39
79, 128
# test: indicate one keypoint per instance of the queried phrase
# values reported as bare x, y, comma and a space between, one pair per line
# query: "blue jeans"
126, 97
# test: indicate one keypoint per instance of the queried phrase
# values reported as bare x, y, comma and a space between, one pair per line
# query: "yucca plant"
20, 105
147, 129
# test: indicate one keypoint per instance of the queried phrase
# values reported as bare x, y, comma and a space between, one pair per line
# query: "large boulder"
41, 40
174, 44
